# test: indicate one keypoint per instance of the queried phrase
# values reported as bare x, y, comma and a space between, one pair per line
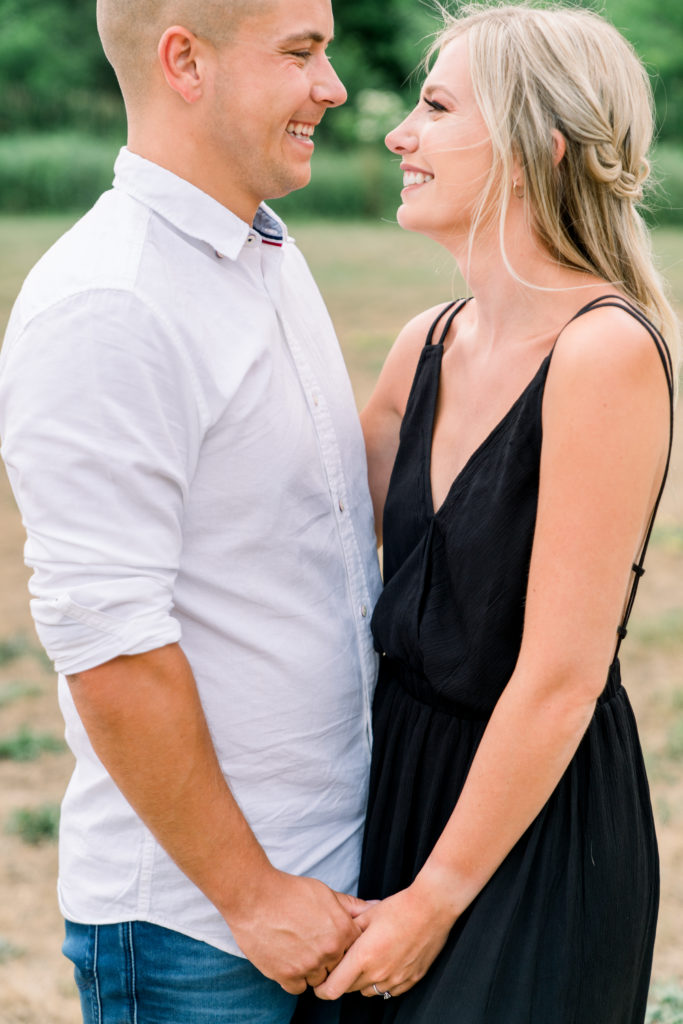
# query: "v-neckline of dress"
484, 444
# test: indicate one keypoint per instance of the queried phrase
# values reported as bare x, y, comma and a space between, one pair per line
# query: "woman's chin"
407, 219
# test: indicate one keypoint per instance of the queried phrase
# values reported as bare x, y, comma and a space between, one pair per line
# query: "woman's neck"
523, 294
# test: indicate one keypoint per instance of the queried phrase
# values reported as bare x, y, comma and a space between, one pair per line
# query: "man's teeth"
416, 178
301, 131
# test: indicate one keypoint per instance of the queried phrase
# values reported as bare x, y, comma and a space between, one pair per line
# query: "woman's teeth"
416, 178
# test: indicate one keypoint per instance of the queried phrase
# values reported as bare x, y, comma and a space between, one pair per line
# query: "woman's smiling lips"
414, 177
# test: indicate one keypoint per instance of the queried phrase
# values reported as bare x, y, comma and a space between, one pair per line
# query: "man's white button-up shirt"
181, 437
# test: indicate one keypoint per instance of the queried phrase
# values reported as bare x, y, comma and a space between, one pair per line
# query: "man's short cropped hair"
130, 31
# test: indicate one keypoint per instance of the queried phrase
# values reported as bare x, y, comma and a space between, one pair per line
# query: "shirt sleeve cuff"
77, 638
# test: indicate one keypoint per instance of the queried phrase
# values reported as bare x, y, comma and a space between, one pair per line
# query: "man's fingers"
317, 977
295, 988
364, 920
343, 978
353, 904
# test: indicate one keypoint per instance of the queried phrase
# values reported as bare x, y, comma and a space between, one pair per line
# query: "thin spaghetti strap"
637, 569
455, 306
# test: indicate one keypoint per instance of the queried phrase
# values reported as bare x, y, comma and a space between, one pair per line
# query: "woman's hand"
401, 938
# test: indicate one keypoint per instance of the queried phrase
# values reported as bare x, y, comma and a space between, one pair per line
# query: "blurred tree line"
53, 73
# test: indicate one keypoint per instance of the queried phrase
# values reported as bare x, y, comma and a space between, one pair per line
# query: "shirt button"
251, 239
341, 505
364, 610
219, 255
316, 400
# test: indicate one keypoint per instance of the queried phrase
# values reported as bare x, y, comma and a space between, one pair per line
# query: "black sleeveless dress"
563, 932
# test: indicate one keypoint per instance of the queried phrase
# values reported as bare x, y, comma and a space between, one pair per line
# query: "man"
181, 438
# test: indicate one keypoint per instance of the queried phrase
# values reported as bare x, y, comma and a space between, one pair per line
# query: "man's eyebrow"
305, 37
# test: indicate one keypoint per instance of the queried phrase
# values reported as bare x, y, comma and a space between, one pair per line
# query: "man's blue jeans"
139, 973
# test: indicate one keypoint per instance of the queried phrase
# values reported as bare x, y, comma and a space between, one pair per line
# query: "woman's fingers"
377, 988
344, 977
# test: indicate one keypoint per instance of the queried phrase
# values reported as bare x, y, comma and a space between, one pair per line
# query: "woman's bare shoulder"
609, 348
607, 385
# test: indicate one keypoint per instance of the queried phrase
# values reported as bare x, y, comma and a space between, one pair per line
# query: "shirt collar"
192, 211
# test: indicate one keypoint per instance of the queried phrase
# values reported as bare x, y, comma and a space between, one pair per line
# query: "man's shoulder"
102, 251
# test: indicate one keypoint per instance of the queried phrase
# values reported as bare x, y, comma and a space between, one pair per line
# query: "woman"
510, 834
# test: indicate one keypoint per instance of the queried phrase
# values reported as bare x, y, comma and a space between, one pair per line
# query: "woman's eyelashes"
434, 105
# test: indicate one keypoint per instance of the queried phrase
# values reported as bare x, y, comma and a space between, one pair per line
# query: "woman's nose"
402, 138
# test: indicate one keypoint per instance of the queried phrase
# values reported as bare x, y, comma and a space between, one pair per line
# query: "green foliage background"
656, 31
53, 73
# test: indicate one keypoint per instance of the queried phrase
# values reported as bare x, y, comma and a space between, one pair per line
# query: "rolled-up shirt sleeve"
101, 419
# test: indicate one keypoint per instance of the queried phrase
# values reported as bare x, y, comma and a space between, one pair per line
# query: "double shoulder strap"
455, 308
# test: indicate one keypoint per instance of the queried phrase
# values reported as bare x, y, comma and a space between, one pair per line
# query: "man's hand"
298, 931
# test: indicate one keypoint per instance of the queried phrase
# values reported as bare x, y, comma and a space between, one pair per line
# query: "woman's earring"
517, 190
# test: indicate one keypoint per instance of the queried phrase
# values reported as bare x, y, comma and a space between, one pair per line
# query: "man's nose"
328, 88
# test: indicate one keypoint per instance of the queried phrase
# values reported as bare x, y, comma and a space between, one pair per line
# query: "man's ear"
178, 53
559, 146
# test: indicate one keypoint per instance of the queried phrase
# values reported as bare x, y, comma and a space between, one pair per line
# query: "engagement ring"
384, 995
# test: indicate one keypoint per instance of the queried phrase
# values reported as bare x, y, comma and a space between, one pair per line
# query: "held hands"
402, 936
297, 929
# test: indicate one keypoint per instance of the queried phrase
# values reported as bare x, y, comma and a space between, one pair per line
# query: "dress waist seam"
396, 675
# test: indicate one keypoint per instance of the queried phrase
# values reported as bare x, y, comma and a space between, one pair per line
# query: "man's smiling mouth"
300, 130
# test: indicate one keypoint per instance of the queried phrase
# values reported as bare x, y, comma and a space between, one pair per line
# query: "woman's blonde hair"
536, 70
